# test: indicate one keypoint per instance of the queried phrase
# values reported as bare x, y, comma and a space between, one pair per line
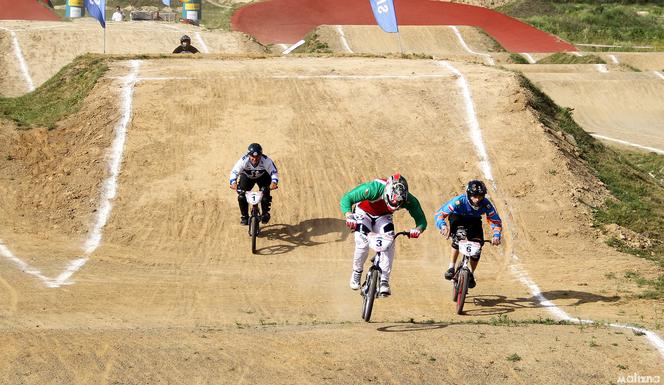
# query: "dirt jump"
122, 259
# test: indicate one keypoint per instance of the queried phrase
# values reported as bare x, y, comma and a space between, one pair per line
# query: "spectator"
117, 15
185, 46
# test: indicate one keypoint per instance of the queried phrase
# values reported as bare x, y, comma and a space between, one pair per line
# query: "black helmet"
255, 149
396, 192
185, 38
475, 187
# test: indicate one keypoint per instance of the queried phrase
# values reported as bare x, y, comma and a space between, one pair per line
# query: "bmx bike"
462, 272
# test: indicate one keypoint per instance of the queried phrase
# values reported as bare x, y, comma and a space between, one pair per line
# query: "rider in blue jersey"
466, 210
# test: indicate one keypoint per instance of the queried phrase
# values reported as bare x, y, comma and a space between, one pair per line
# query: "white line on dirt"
519, 272
26, 268
344, 42
614, 59
659, 74
23, 66
465, 46
292, 47
577, 53
204, 46
529, 57
108, 192
471, 119
653, 149
357, 77
602, 68
109, 188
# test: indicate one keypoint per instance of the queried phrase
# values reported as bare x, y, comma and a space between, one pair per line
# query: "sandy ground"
174, 293
66, 40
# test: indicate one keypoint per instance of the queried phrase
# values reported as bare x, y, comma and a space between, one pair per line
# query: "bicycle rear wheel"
462, 290
370, 295
253, 229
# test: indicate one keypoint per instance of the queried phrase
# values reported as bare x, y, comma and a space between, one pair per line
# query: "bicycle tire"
455, 288
253, 229
462, 290
370, 296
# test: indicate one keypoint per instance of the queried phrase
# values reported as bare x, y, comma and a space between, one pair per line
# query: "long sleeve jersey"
369, 197
461, 206
244, 166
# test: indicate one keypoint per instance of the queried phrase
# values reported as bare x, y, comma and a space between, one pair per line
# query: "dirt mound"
71, 39
433, 40
175, 265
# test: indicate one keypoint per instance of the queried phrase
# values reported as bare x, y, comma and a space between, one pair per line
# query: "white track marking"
653, 149
577, 53
471, 119
4, 250
108, 191
292, 47
614, 59
517, 270
344, 42
529, 57
602, 68
357, 77
465, 46
659, 74
204, 46
23, 66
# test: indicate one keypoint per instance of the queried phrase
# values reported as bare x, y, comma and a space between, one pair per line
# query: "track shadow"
301, 234
412, 327
500, 304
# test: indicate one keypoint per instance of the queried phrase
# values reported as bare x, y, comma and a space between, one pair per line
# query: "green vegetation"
624, 23
514, 357
634, 180
565, 58
58, 97
515, 58
313, 45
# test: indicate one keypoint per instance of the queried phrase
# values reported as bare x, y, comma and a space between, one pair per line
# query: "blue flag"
385, 15
166, 2
97, 9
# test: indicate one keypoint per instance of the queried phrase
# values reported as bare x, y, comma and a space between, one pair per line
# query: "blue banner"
97, 9
166, 2
385, 15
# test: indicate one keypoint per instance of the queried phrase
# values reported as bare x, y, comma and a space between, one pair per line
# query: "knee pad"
241, 198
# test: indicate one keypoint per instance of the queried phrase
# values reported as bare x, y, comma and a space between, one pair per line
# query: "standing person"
374, 203
185, 46
254, 168
117, 15
466, 210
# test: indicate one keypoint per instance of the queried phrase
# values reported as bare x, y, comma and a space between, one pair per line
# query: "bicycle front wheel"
462, 290
370, 295
253, 229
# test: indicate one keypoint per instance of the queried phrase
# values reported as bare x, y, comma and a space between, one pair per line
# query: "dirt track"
174, 264
173, 295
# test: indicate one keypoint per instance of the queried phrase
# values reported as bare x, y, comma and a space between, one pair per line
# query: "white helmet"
396, 192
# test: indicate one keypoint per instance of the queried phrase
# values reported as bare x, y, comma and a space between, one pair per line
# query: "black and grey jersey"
244, 166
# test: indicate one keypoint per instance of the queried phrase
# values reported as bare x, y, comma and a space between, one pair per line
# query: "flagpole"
104, 40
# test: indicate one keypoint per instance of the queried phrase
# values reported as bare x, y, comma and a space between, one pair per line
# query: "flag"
385, 15
166, 2
97, 9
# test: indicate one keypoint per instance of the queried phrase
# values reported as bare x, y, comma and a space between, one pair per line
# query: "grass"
594, 22
515, 58
60, 96
566, 58
313, 45
634, 180
514, 357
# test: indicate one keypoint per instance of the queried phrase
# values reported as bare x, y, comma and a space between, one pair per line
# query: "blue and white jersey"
244, 166
459, 205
